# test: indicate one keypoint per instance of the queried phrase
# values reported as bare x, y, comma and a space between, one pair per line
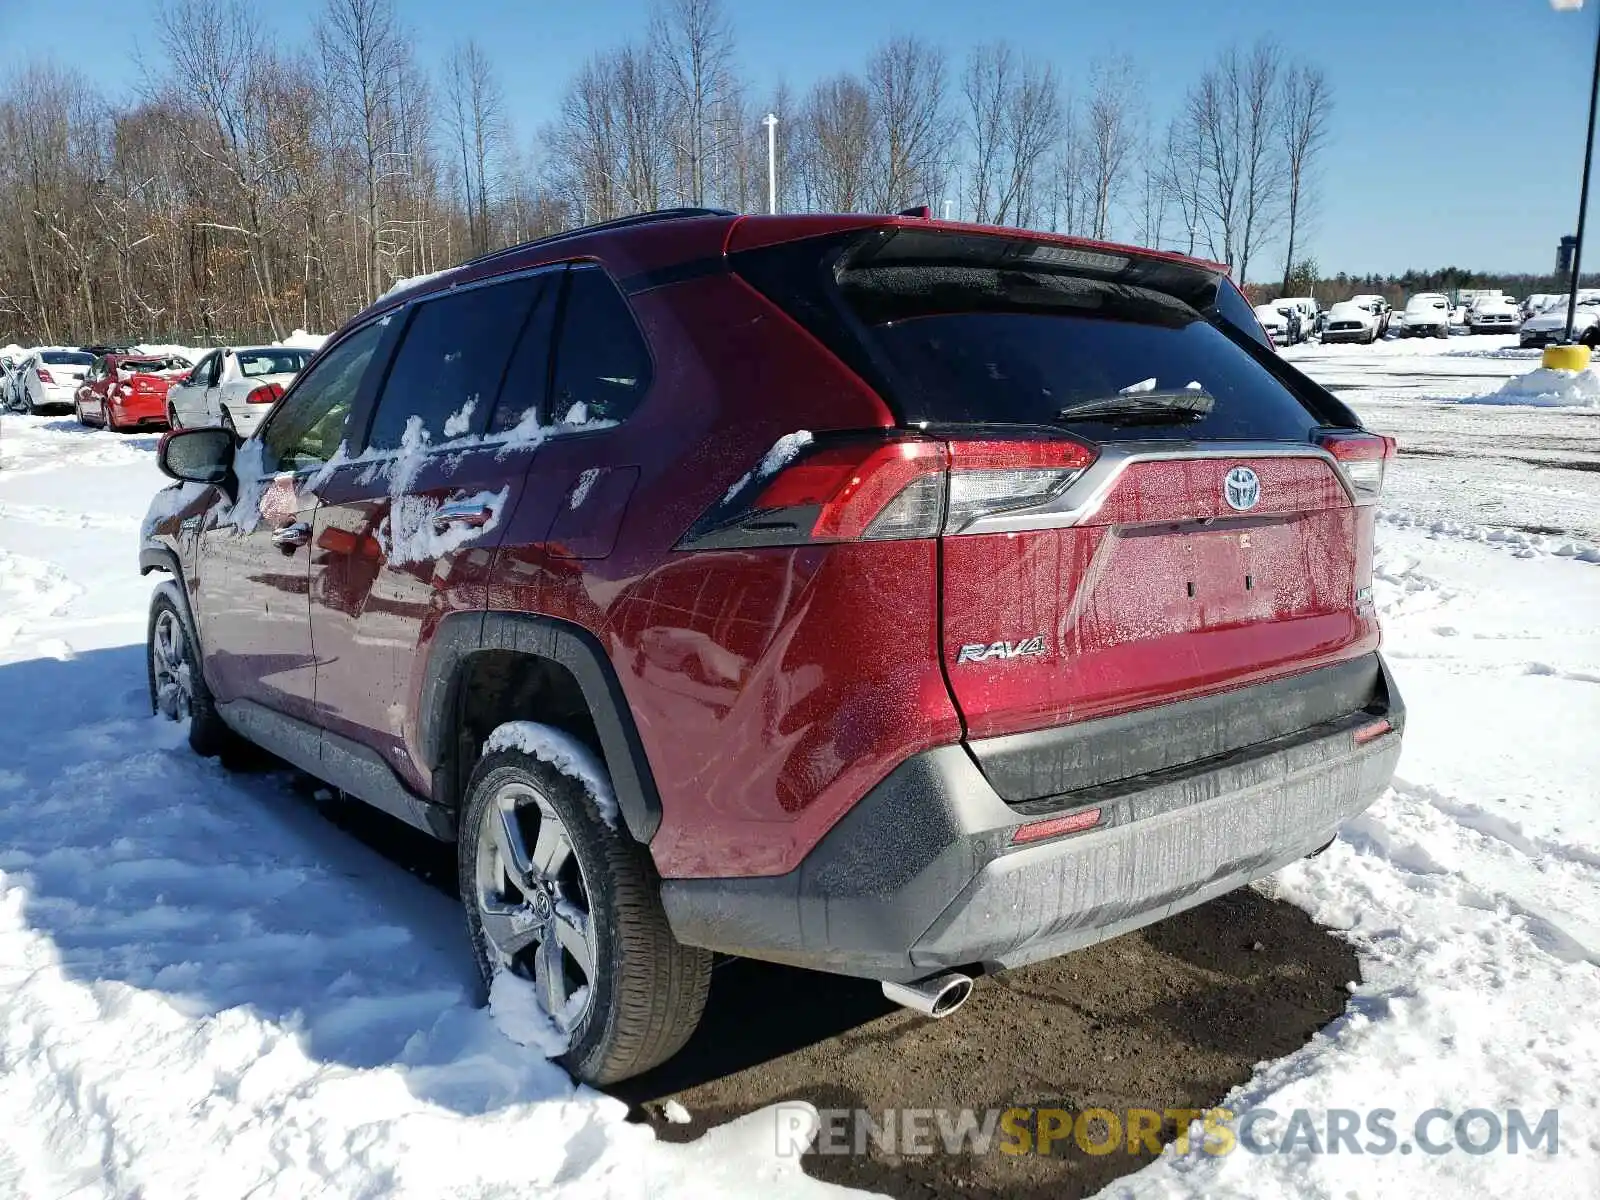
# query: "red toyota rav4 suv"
875, 594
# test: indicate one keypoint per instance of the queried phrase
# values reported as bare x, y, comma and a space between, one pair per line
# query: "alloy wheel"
169, 665
533, 901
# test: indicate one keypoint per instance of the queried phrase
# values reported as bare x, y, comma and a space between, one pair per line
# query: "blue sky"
1458, 136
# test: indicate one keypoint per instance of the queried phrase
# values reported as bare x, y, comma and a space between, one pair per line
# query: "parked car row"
1540, 320
123, 389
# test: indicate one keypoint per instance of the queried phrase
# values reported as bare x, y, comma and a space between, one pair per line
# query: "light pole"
1588, 161
771, 122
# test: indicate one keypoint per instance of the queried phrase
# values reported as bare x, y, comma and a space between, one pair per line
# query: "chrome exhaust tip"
937, 996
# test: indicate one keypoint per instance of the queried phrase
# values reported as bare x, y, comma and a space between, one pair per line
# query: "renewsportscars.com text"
918, 1132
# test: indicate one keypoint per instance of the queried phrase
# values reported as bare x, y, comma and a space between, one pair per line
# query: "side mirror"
196, 455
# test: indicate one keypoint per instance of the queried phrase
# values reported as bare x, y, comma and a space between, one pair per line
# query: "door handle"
467, 512
291, 537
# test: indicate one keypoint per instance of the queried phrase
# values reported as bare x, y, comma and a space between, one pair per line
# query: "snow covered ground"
206, 990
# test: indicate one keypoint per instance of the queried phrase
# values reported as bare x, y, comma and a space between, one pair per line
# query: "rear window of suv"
952, 339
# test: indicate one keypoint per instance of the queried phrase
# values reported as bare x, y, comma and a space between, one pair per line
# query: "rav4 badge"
1033, 647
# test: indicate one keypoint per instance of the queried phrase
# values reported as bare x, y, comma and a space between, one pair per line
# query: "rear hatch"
1144, 504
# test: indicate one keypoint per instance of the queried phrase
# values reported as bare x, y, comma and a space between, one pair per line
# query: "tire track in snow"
1520, 544
31, 589
38, 514
1486, 862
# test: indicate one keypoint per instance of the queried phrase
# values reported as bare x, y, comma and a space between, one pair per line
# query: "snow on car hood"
1347, 310
1556, 318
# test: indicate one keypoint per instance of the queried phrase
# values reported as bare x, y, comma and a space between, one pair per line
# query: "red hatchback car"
128, 391
881, 595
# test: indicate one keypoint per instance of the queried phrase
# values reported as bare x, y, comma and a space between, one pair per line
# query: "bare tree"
1182, 165
1306, 106
1014, 120
476, 116
838, 135
1232, 110
362, 53
695, 45
911, 132
1110, 134
1263, 165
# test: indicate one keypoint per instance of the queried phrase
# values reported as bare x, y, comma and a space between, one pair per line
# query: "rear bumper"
920, 875
142, 410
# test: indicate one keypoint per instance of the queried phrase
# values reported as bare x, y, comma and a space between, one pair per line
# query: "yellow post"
1566, 358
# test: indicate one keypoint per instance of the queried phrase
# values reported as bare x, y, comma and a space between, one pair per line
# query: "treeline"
250, 186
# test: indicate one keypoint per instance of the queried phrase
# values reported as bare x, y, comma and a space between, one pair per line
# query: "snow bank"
301, 340
156, 349
563, 752
1545, 387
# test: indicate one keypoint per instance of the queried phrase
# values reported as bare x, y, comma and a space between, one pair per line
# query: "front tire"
177, 685
558, 896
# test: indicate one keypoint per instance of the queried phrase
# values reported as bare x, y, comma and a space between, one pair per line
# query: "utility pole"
771, 122
1583, 192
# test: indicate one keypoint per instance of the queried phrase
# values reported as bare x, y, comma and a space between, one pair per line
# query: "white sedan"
49, 378
234, 387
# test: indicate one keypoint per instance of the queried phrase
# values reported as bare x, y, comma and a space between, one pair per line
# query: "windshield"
271, 362
66, 358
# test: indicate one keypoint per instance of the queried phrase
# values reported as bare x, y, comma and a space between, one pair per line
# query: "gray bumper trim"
920, 875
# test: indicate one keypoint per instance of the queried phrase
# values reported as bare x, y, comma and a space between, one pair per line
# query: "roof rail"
643, 218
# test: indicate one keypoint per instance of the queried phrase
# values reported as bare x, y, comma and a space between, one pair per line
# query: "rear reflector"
1362, 457
879, 487
1056, 826
1372, 732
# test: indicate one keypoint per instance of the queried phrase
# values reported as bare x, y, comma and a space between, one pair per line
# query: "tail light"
1362, 457
45, 376
267, 393
877, 488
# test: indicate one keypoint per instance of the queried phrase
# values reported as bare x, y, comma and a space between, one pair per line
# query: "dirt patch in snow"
1173, 1016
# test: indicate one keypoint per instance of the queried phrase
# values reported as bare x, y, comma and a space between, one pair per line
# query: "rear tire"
172, 418
645, 990
227, 423
177, 685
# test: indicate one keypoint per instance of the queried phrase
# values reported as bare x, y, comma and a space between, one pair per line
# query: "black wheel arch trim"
461, 635
164, 558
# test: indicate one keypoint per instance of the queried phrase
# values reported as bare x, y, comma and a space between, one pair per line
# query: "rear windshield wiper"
1134, 408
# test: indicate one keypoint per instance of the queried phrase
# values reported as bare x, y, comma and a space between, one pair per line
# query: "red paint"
1112, 596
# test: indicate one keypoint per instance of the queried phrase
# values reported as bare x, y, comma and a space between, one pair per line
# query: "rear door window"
448, 370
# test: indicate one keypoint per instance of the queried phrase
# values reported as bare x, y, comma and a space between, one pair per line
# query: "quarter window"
602, 365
